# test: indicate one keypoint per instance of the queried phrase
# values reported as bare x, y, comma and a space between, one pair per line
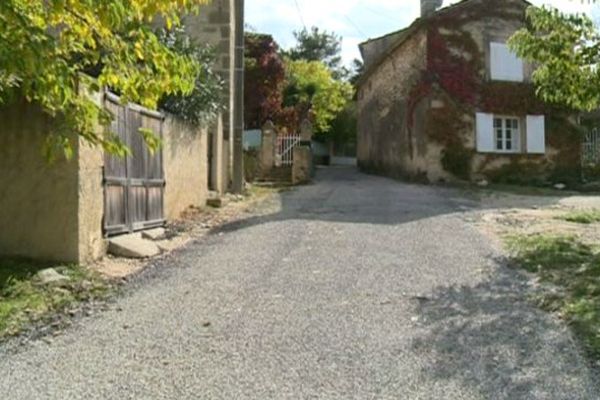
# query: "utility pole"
238, 131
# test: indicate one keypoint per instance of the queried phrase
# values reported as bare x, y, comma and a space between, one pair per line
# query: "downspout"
238, 131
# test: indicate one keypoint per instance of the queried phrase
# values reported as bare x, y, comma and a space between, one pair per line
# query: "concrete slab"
132, 246
154, 234
217, 202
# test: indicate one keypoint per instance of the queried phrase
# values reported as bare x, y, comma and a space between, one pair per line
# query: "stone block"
52, 277
132, 246
154, 234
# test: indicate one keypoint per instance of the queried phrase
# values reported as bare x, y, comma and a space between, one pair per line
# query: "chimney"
429, 7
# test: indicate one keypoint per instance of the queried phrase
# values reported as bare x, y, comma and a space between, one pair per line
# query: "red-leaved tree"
264, 80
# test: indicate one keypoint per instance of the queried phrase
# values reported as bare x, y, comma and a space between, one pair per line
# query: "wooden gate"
133, 185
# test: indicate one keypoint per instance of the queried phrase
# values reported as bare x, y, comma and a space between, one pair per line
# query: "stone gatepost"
267, 148
302, 170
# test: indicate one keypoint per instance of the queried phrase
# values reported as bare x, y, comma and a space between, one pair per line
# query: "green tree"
47, 45
356, 71
205, 101
317, 45
566, 51
313, 90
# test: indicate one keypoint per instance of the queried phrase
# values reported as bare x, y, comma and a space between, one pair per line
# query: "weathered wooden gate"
133, 185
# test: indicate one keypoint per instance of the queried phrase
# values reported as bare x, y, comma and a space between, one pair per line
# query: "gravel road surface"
358, 287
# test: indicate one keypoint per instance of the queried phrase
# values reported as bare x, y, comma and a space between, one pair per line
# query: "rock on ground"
132, 246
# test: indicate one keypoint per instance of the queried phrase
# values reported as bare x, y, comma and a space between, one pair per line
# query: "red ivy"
456, 75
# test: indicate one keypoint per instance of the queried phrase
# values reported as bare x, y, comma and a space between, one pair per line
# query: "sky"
354, 20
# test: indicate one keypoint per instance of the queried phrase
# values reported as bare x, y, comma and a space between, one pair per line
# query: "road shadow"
346, 195
491, 338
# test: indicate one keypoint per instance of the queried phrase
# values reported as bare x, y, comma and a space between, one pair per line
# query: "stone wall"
38, 200
215, 26
92, 244
383, 137
186, 167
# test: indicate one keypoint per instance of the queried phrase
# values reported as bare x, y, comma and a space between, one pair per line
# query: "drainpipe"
238, 131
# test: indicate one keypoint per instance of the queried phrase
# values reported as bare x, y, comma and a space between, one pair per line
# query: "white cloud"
354, 20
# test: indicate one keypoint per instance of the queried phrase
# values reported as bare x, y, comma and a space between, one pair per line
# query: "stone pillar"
306, 131
267, 147
302, 170
218, 169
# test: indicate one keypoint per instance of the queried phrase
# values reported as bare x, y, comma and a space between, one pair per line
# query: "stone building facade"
445, 99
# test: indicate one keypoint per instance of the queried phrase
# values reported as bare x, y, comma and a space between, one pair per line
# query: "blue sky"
354, 20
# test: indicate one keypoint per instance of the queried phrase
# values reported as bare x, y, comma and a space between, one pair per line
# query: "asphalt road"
359, 287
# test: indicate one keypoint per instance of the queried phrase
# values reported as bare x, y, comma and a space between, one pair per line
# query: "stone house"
446, 99
66, 210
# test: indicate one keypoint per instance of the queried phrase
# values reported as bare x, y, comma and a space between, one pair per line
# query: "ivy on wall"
456, 75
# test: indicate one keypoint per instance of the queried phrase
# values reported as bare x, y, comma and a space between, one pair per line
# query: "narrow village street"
354, 287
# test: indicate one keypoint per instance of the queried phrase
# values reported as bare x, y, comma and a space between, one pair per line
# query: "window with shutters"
510, 134
507, 134
504, 64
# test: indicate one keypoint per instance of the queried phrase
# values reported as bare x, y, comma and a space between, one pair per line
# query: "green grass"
582, 217
572, 271
23, 300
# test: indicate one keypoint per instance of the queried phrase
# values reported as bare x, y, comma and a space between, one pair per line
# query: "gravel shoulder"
355, 287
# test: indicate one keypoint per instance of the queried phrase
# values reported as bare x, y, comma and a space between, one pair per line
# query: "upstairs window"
504, 64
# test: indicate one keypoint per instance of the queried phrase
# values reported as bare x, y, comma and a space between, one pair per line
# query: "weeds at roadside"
582, 217
25, 300
569, 275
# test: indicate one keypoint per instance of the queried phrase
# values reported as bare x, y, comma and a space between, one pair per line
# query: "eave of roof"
410, 30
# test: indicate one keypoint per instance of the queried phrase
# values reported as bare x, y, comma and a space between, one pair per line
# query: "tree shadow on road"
492, 339
345, 195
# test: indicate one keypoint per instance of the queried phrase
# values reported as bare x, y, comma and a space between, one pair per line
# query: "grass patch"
582, 217
24, 300
571, 272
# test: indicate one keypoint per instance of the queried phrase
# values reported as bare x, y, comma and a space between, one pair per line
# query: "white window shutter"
536, 134
504, 64
485, 132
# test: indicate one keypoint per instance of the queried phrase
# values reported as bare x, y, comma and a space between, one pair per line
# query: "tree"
317, 45
205, 100
566, 50
356, 71
46, 46
313, 92
264, 80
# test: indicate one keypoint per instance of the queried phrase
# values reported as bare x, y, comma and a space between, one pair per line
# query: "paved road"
358, 288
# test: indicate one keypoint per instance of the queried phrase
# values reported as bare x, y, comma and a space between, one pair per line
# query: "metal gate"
590, 154
133, 185
285, 148
591, 148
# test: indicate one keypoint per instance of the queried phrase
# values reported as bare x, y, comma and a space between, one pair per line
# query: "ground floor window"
507, 131
510, 134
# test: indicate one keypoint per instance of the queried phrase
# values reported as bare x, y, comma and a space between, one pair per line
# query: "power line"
379, 14
360, 31
300, 14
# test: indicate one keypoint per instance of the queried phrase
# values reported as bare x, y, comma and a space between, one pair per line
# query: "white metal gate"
285, 149
591, 148
590, 155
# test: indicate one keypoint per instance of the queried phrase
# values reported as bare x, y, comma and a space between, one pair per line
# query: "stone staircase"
282, 175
